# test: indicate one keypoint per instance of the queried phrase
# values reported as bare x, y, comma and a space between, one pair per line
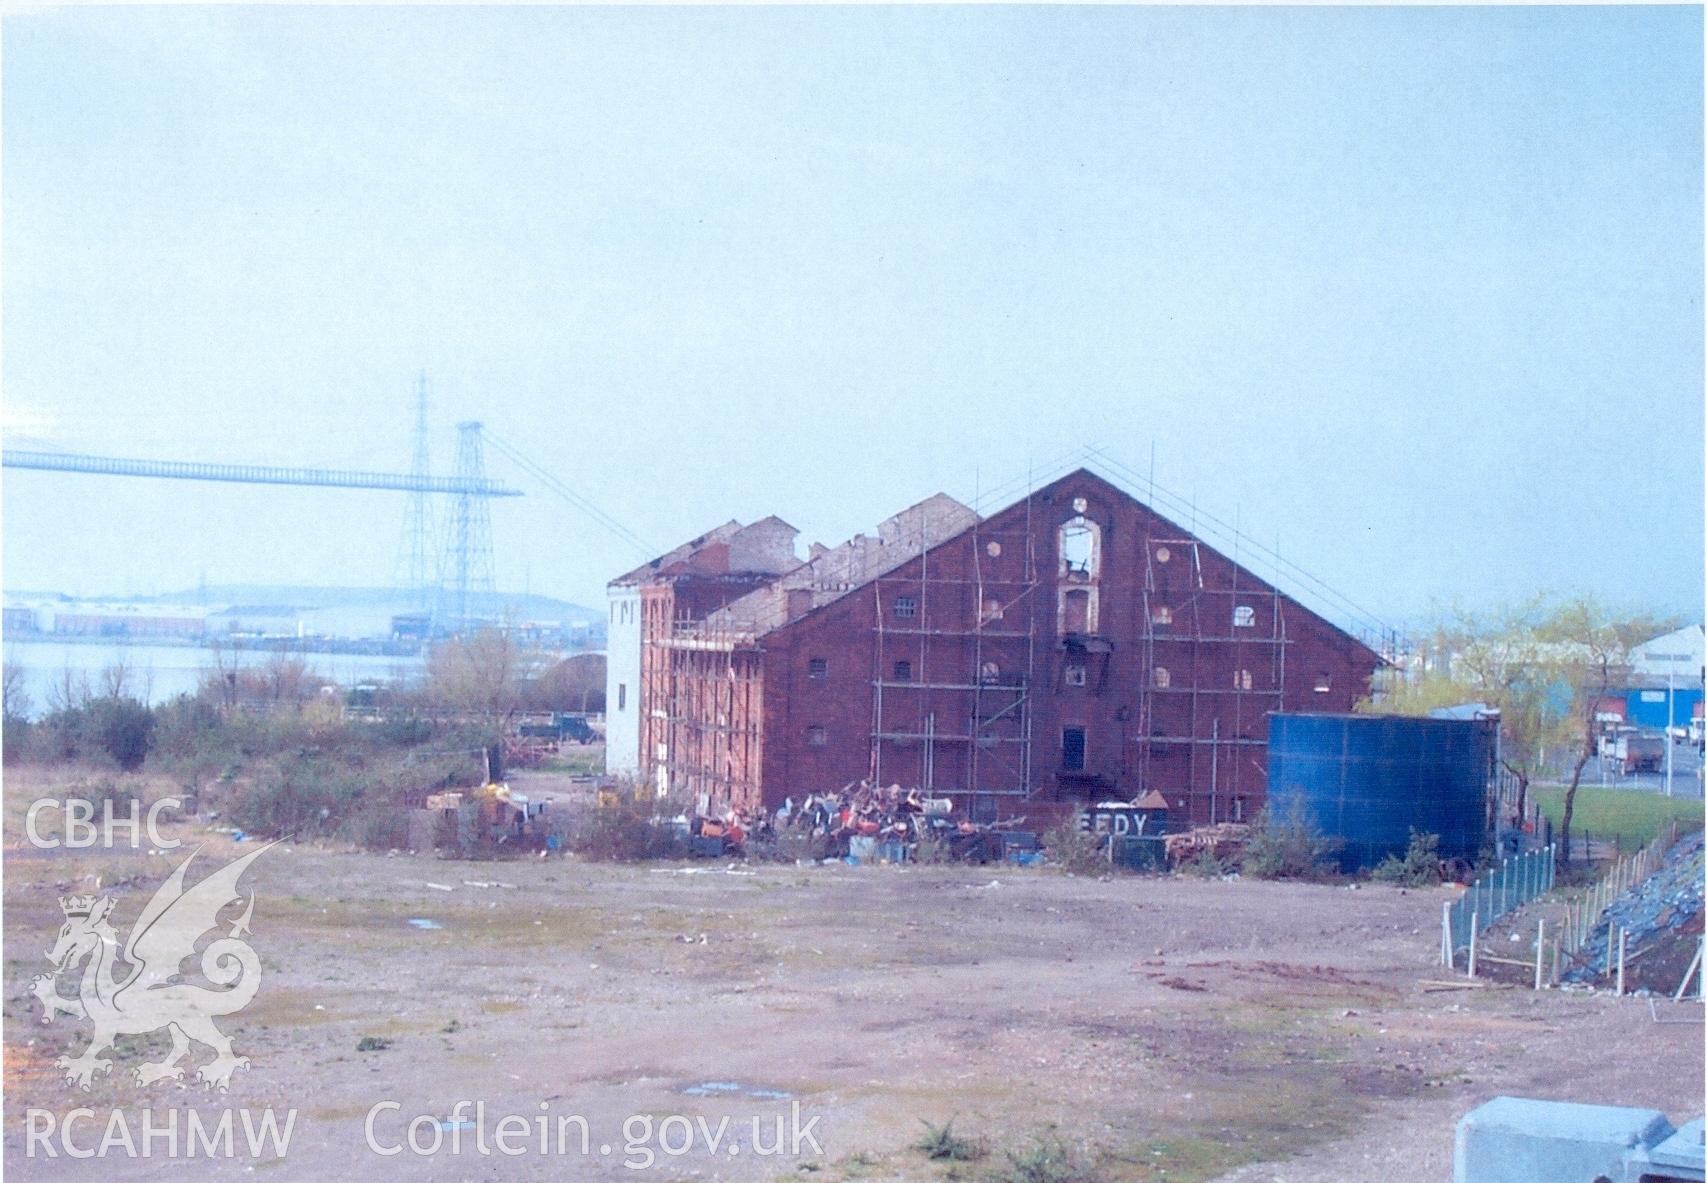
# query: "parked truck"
1638, 751
558, 726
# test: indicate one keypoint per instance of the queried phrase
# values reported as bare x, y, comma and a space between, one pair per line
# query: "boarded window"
817, 736
906, 607
817, 668
1076, 611
1075, 675
903, 671
1241, 679
1072, 749
1244, 616
1163, 678
1161, 614
1324, 683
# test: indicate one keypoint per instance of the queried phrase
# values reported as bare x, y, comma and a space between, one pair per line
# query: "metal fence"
1582, 917
1512, 884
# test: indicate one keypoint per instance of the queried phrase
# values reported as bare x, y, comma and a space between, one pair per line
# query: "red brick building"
1075, 646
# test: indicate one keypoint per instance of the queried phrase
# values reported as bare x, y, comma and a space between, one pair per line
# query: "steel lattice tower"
469, 538
421, 576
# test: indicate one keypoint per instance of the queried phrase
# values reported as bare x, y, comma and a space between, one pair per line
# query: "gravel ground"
1158, 1028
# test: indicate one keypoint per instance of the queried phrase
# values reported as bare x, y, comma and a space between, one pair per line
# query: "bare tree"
69, 690
16, 693
115, 679
481, 674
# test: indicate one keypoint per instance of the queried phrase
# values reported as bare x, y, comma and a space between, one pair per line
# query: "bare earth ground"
1167, 1028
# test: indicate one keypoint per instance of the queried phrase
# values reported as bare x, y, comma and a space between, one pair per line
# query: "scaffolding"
1194, 637
954, 671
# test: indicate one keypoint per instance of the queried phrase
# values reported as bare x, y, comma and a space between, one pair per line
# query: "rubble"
1223, 841
1662, 920
886, 823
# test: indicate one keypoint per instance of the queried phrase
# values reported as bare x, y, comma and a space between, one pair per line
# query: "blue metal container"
1371, 779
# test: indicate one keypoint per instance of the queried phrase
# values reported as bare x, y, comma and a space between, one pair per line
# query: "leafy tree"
1592, 649
123, 728
1544, 665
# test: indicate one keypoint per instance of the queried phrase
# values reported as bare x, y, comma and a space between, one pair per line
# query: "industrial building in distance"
1074, 647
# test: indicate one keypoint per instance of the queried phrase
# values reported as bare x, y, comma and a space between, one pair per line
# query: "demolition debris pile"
1662, 920
878, 823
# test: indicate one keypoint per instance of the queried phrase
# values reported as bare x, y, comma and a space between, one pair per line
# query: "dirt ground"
1173, 1029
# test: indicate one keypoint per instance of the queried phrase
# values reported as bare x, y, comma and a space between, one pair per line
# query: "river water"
157, 673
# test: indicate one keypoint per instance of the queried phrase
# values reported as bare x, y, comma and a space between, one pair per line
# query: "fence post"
1446, 950
1540, 948
1474, 918
1621, 936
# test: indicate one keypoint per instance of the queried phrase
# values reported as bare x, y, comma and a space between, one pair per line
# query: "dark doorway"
1072, 749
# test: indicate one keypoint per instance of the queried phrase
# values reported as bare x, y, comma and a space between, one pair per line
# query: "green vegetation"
372, 1043
1632, 818
1047, 1160
941, 1142
1075, 850
1545, 665
626, 827
1420, 866
1288, 846
275, 751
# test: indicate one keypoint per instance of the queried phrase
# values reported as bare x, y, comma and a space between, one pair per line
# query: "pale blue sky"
1417, 292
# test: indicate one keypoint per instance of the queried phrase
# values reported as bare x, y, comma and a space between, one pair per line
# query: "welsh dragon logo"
152, 993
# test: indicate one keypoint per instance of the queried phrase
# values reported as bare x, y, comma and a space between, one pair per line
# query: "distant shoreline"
363, 647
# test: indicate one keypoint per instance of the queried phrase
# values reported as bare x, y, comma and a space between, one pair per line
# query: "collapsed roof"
832, 573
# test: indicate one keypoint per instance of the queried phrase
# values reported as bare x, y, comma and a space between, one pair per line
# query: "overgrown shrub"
1288, 846
1047, 1160
941, 1142
16, 739
123, 728
787, 846
380, 827
110, 729
300, 799
1207, 866
626, 826
1420, 867
1076, 851
103, 789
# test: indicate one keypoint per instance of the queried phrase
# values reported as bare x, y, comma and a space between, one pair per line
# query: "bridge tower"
419, 560
468, 541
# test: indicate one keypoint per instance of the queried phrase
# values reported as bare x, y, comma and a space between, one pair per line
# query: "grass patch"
1046, 1160
941, 1142
1631, 817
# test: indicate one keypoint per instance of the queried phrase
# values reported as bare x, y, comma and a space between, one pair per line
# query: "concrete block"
1514, 1140
1681, 1156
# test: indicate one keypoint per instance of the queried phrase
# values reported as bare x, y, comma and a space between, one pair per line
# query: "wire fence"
1582, 918
1512, 884
1518, 880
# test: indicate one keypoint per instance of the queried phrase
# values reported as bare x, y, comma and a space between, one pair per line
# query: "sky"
1413, 296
